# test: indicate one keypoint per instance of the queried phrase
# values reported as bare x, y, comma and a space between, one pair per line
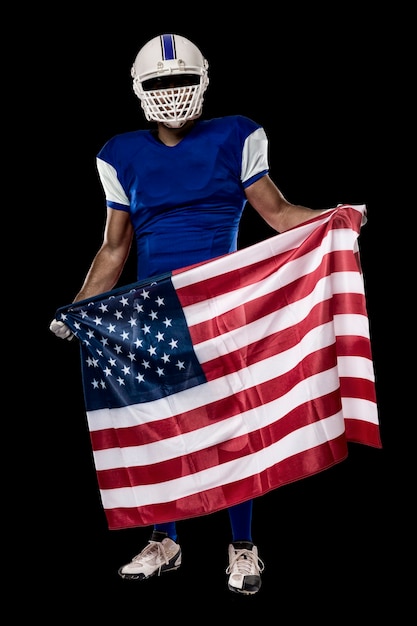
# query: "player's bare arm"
265, 197
110, 259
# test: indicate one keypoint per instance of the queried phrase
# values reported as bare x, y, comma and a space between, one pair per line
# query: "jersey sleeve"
115, 195
254, 157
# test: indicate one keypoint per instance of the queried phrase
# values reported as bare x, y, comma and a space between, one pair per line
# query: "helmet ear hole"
170, 77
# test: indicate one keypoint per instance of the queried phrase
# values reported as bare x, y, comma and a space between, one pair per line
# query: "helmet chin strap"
174, 124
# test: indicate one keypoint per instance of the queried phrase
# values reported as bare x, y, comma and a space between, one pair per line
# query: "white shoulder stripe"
113, 190
255, 155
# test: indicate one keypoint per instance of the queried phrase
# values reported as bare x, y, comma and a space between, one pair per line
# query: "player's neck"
173, 136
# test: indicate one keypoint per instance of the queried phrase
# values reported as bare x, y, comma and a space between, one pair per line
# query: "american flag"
219, 382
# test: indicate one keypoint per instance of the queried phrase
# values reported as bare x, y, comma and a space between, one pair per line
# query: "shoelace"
153, 549
243, 562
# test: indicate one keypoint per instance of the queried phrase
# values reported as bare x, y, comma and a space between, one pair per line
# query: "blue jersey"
185, 202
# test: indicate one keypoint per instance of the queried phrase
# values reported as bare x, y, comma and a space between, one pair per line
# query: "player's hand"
61, 330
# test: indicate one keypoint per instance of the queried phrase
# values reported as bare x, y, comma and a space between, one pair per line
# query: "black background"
316, 80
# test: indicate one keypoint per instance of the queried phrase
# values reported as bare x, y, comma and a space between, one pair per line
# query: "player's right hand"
61, 330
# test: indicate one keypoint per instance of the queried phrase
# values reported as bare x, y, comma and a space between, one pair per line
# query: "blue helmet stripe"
168, 47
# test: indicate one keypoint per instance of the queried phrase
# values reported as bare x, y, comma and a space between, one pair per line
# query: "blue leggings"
240, 517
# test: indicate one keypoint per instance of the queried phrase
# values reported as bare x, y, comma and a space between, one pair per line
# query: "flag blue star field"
219, 382
160, 361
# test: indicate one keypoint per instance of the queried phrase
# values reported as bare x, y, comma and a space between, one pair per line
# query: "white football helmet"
170, 78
